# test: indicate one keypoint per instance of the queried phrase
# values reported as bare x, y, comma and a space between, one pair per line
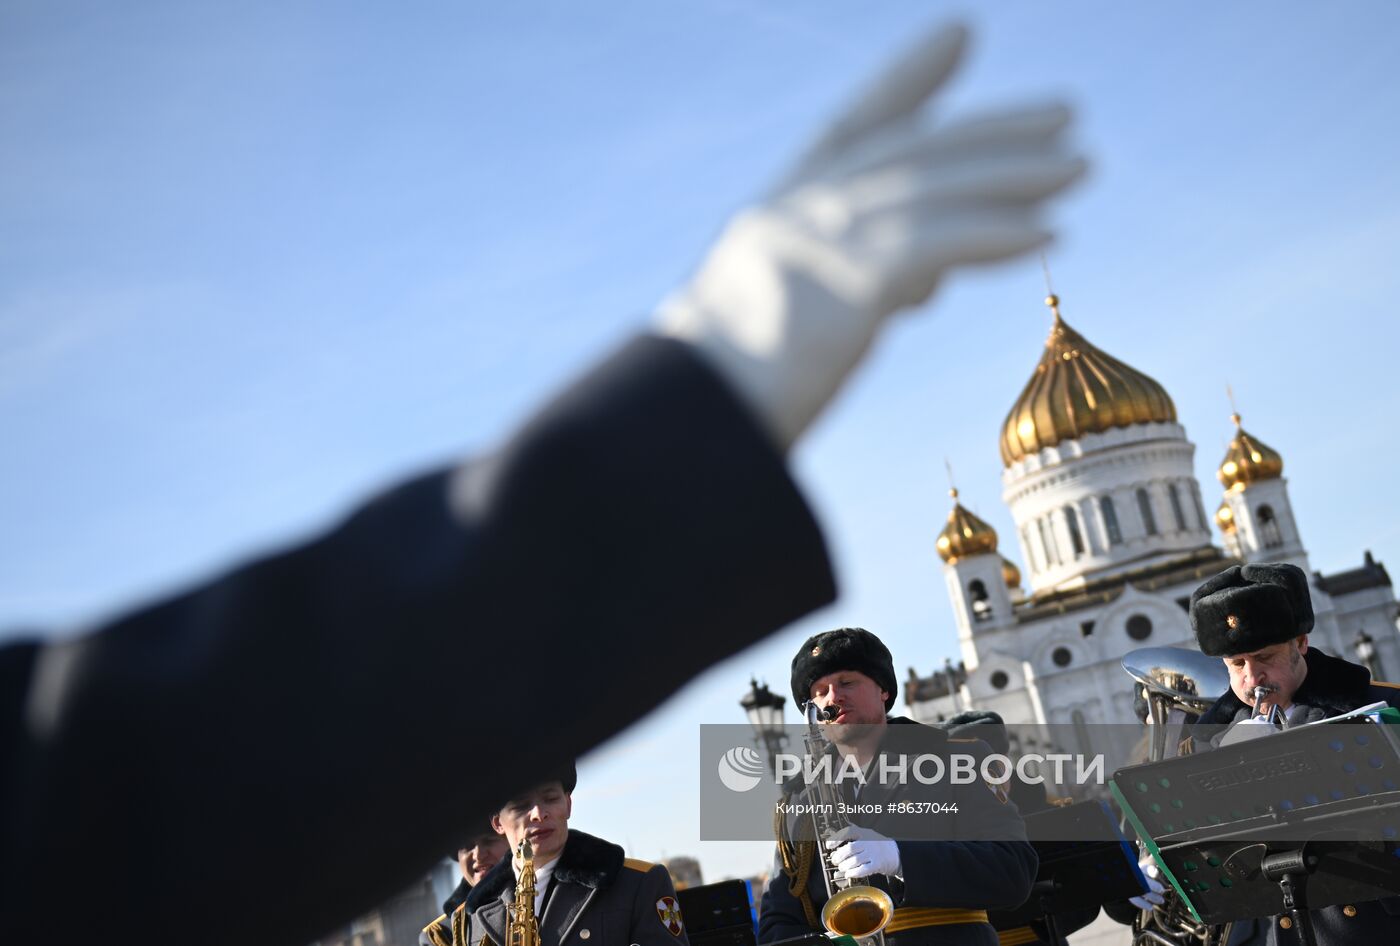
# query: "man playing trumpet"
1256, 618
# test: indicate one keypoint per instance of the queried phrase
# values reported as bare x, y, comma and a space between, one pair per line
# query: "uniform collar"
1332, 685
585, 860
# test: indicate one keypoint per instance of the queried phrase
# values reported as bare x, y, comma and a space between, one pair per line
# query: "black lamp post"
765, 711
1365, 647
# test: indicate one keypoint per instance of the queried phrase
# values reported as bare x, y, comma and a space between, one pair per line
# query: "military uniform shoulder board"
633, 864
437, 933
670, 912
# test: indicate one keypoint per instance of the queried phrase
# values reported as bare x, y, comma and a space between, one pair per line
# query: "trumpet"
858, 910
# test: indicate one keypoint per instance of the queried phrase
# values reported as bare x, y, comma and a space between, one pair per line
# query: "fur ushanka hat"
846, 648
1247, 608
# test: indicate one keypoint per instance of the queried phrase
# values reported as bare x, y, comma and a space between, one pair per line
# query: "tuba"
860, 911
522, 929
1179, 683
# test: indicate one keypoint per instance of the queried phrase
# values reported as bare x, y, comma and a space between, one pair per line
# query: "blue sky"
257, 260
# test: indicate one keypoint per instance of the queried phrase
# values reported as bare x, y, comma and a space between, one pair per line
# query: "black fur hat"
1247, 608
846, 648
566, 775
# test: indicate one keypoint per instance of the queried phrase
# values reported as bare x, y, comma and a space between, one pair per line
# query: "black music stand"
719, 914
1287, 822
1085, 861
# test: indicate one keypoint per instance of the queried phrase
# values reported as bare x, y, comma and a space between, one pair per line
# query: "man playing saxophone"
586, 892
945, 851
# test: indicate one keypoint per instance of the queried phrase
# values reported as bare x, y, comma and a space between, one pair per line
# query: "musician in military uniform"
475, 858
587, 892
1256, 618
942, 868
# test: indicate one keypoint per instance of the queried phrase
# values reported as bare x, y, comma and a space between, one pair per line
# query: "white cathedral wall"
1374, 611
1078, 474
1256, 542
1094, 682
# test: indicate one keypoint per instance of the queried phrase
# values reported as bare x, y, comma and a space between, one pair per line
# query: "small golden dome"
1248, 460
964, 534
1078, 389
1224, 518
1010, 573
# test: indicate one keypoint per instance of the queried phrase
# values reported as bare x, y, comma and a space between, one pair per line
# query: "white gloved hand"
1155, 888
859, 852
878, 209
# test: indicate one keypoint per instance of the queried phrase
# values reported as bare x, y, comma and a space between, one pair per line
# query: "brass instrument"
1179, 683
522, 929
860, 911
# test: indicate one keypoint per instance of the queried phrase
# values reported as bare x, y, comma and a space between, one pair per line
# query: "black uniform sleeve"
251, 752
780, 914
991, 866
648, 928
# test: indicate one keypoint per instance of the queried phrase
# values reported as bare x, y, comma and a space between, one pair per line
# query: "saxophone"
859, 911
522, 929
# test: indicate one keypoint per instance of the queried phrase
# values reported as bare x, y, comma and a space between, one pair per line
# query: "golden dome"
1078, 389
964, 534
1248, 460
1224, 518
1010, 573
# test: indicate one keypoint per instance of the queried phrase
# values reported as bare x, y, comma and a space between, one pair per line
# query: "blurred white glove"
859, 852
1155, 888
792, 294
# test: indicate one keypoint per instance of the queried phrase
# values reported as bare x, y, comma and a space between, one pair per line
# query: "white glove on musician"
859, 852
878, 209
1155, 888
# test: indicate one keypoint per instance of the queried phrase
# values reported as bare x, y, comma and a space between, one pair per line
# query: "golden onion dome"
964, 534
1248, 460
1010, 573
1225, 518
1078, 389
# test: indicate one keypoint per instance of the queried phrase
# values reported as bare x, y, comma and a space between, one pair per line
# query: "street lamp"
1366, 650
765, 711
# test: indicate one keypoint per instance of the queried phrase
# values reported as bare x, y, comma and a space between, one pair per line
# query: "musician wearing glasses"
937, 865
561, 886
1256, 618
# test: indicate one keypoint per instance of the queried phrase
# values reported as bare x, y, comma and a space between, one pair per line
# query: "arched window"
1201, 520
978, 600
1110, 520
1268, 527
1081, 733
1176, 507
1047, 539
1149, 521
1076, 539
